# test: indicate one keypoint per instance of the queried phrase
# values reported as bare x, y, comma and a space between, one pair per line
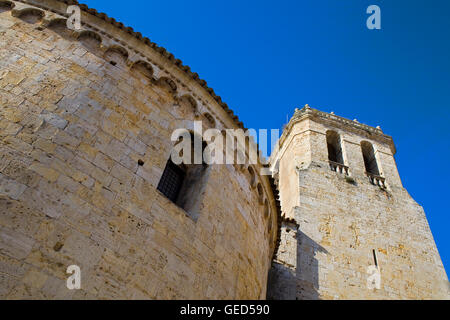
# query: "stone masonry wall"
84, 139
339, 222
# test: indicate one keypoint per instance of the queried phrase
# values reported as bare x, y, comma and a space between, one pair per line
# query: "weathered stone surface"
333, 224
84, 140
83, 145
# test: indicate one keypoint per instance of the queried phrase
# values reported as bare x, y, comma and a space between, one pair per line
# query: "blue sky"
265, 58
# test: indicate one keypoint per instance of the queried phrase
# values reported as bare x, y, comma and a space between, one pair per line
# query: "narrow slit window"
375, 259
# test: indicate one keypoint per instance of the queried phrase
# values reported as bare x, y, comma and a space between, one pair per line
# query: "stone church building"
86, 180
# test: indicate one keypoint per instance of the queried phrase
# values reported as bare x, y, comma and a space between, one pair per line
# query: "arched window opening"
185, 184
370, 161
334, 147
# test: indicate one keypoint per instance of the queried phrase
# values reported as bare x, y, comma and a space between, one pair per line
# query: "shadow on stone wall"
307, 272
300, 282
281, 284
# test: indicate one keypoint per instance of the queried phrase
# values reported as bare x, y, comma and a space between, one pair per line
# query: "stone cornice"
338, 122
161, 50
330, 116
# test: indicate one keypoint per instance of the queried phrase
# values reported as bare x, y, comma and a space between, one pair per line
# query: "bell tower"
350, 230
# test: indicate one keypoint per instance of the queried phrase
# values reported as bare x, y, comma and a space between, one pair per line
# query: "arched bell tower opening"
370, 161
334, 147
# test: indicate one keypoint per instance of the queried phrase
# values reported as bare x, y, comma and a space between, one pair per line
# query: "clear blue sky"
266, 58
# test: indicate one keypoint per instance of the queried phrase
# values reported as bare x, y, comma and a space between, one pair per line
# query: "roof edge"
307, 112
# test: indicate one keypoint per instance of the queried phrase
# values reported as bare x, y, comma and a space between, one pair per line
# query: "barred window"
185, 184
171, 181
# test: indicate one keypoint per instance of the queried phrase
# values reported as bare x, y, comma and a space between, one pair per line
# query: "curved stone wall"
85, 123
